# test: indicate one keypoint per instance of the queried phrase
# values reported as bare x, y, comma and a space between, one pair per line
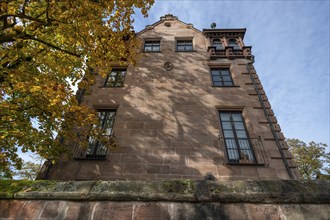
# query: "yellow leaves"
35, 89
35, 67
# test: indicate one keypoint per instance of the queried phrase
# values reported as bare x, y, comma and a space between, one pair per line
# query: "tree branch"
54, 46
13, 37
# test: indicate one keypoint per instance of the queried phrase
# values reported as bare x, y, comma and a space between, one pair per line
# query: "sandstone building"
192, 107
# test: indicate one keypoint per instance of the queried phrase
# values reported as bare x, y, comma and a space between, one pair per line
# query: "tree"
311, 159
48, 46
30, 169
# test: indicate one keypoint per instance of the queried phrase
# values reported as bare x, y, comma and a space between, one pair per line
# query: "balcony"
229, 53
250, 151
95, 151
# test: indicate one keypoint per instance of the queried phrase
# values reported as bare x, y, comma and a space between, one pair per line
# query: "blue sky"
290, 41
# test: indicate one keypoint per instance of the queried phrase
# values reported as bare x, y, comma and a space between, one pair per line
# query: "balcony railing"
93, 151
248, 151
229, 52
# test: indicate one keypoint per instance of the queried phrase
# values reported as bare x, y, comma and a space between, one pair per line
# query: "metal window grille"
238, 144
115, 78
96, 149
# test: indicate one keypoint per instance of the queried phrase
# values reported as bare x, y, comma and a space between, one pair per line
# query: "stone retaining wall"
172, 199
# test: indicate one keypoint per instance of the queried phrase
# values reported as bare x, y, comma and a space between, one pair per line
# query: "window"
152, 46
217, 44
97, 150
221, 77
233, 43
115, 78
236, 139
184, 45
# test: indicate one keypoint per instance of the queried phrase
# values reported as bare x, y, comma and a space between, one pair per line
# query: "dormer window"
217, 44
233, 43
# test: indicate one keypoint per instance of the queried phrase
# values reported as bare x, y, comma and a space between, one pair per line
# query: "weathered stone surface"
95, 210
254, 191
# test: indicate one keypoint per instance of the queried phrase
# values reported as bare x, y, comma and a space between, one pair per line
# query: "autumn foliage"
47, 47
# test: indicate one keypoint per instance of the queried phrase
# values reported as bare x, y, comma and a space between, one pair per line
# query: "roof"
225, 32
167, 17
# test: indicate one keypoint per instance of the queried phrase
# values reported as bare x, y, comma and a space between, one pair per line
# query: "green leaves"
310, 158
44, 49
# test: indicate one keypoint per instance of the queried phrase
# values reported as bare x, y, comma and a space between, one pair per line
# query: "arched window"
233, 43
217, 44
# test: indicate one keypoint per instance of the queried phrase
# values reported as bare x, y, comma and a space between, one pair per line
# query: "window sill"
246, 164
92, 158
109, 87
152, 51
225, 86
186, 51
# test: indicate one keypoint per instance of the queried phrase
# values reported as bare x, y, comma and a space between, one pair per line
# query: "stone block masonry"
167, 199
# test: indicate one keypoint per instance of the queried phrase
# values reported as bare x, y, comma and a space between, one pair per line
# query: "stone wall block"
264, 98
267, 104
252, 92
158, 169
10, 209
151, 211
273, 119
277, 127
134, 168
111, 210
130, 158
270, 112
183, 170
175, 159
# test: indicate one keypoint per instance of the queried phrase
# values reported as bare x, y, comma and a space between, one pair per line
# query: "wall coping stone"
251, 191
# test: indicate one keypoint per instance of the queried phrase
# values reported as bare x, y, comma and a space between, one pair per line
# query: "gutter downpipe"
278, 143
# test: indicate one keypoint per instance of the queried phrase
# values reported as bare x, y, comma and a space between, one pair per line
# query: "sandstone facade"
167, 113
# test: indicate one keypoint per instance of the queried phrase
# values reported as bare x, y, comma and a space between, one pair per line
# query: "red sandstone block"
149, 177
193, 160
158, 169
168, 176
267, 173
131, 158
235, 212
262, 211
276, 163
165, 151
113, 156
10, 208
283, 174
112, 210
188, 151
31, 209
134, 125
120, 132
193, 177
137, 132
153, 125
203, 170
250, 171
174, 159
180, 169
227, 170
152, 159
52, 209
78, 210
151, 211
135, 168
